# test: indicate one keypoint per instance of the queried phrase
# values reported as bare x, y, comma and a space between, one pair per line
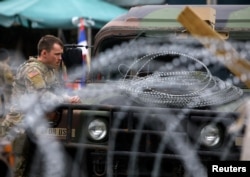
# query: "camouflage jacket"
6, 79
6, 75
33, 78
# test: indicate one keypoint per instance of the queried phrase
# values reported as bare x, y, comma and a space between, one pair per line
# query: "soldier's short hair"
4, 54
47, 42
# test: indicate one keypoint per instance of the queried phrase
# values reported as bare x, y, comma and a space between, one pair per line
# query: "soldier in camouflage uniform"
37, 76
6, 79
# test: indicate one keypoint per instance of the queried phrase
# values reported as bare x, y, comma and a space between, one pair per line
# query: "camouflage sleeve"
8, 80
8, 76
36, 83
34, 80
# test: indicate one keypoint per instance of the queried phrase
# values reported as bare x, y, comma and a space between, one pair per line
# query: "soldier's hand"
74, 99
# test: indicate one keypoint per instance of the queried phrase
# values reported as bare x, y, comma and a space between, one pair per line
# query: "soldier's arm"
35, 83
8, 76
8, 80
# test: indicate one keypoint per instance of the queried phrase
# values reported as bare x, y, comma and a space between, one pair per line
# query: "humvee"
158, 101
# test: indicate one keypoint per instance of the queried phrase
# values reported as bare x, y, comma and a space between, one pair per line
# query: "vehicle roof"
164, 18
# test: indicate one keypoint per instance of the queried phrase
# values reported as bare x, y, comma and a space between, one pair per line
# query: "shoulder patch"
36, 79
33, 73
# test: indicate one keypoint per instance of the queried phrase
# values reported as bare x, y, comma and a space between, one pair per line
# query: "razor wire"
178, 88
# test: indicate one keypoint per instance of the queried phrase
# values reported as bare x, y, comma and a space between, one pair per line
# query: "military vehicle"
151, 118
163, 97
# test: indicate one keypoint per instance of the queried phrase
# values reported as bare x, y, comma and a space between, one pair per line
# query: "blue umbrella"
57, 13
9, 10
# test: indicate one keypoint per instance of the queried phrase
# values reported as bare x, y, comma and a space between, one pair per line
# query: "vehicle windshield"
154, 53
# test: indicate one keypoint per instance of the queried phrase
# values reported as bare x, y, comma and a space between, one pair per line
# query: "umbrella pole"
89, 37
60, 34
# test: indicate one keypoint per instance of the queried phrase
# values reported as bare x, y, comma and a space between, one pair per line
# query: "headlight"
97, 129
210, 136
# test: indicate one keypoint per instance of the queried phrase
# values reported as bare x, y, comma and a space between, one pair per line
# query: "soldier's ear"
44, 52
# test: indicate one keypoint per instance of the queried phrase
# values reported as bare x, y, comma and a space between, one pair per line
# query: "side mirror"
72, 57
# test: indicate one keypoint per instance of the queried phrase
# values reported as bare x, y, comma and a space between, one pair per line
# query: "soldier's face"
54, 56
